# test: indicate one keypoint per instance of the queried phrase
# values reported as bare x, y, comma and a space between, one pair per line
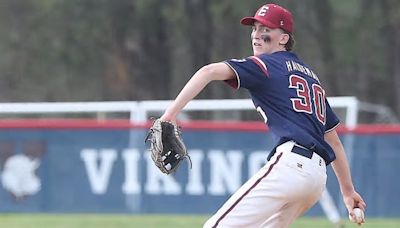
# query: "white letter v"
98, 176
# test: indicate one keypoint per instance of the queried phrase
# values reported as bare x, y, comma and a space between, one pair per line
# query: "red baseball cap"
272, 16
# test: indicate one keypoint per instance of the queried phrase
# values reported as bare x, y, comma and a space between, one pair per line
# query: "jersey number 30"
303, 102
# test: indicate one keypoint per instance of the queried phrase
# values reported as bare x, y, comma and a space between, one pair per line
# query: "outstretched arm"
341, 168
215, 71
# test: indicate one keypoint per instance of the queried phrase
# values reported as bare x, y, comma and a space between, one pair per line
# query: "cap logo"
281, 23
263, 11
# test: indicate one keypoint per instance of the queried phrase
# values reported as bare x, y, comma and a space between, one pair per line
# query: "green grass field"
148, 221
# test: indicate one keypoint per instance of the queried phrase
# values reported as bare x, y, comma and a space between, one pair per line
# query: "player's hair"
290, 44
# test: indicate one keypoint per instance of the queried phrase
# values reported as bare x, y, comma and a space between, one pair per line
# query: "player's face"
266, 40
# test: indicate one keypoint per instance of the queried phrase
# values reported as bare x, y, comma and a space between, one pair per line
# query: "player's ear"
284, 39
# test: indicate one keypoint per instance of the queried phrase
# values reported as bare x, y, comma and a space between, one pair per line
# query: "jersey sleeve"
332, 121
249, 72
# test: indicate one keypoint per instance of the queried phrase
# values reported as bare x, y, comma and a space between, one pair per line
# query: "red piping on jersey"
248, 190
260, 63
235, 82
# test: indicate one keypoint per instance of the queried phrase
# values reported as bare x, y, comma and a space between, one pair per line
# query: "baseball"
358, 216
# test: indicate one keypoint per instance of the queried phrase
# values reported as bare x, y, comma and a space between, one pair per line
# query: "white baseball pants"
282, 190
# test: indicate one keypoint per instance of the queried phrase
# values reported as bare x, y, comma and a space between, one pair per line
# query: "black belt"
302, 151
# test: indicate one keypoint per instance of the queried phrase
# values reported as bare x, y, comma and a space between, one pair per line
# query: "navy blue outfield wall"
89, 166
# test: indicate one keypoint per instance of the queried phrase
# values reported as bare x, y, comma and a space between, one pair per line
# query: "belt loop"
302, 151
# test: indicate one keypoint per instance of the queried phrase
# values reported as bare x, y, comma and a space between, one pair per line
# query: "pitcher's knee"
208, 224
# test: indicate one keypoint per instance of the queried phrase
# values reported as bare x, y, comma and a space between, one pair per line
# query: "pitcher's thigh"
257, 200
286, 216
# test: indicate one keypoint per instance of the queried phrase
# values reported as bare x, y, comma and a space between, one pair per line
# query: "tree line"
102, 50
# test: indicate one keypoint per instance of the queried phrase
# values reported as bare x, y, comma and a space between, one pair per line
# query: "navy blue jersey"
289, 96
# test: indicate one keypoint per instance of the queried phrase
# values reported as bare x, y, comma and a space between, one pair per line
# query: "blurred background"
102, 50
145, 50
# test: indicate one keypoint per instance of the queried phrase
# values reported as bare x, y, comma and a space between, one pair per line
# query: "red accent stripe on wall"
198, 125
224, 125
372, 129
68, 124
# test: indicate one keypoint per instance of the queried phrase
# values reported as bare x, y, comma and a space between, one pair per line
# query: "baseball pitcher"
289, 95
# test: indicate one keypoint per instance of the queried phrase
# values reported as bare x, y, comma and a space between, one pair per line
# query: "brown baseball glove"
166, 146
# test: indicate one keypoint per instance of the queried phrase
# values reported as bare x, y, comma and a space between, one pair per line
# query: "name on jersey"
293, 66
